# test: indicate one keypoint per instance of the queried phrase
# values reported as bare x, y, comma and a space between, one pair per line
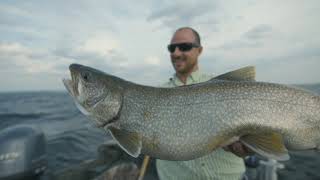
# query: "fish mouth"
72, 84
69, 85
72, 87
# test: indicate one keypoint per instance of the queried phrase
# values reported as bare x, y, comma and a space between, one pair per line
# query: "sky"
39, 39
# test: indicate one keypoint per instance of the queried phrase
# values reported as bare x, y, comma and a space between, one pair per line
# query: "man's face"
184, 61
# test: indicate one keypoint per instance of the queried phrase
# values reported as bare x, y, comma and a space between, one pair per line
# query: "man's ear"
200, 50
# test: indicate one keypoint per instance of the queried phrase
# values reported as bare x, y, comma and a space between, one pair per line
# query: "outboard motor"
22, 153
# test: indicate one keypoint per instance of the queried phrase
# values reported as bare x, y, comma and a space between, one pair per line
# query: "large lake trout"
188, 122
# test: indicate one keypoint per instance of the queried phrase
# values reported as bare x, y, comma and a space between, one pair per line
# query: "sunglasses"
184, 47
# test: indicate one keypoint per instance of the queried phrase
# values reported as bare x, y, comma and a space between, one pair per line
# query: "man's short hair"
195, 33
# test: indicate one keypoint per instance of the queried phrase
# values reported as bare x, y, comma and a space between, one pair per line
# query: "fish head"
94, 93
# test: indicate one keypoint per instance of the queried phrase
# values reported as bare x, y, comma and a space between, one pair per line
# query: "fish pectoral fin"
130, 142
267, 144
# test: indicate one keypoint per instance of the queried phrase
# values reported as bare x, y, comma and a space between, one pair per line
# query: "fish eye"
86, 76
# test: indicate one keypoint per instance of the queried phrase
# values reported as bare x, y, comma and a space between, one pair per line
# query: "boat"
23, 156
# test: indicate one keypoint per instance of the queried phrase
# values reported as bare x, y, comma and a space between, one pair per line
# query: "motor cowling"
22, 152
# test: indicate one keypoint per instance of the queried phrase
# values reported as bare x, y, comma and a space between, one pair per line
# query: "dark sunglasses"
184, 47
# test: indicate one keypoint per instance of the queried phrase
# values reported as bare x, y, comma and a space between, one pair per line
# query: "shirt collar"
191, 79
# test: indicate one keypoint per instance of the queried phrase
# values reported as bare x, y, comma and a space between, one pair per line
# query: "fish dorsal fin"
267, 144
128, 141
247, 73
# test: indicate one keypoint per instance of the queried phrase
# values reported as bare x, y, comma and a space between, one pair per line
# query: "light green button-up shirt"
219, 165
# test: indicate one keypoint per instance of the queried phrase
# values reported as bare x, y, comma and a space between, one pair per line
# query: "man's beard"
188, 67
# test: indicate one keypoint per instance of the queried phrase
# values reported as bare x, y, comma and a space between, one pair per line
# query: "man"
185, 48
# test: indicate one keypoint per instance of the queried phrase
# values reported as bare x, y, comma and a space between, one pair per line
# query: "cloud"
29, 61
39, 39
99, 50
108, 54
26, 68
282, 61
255, 37
184, 13
297, 70
259, 32
100, 44
152, 60
12, 15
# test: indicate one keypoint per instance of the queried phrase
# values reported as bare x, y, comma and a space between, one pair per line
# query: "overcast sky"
40, 38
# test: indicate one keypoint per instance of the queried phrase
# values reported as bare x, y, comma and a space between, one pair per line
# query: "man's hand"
238, 149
